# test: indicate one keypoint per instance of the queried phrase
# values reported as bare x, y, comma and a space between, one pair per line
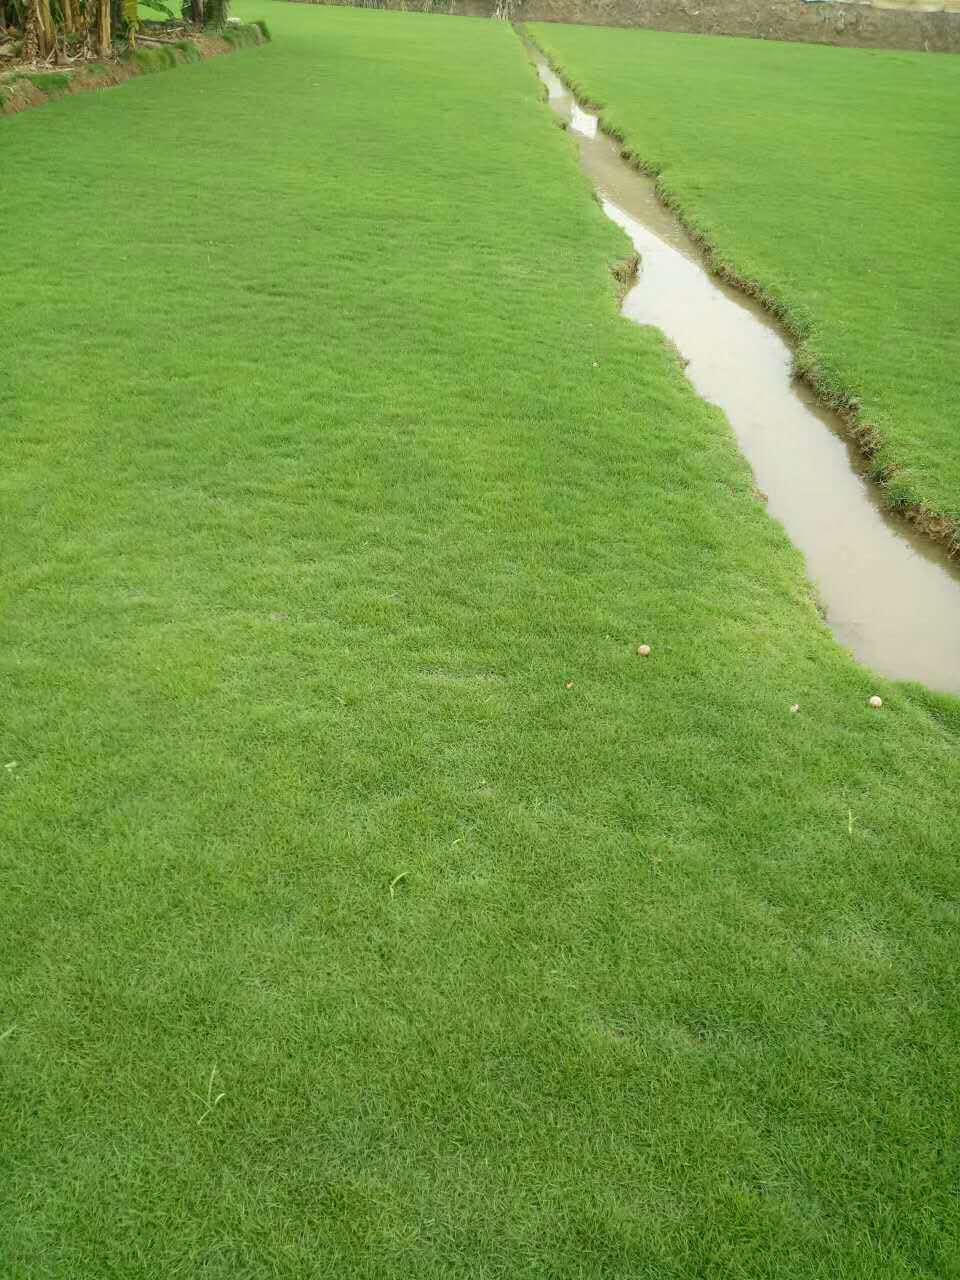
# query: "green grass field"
831, 177
371, 909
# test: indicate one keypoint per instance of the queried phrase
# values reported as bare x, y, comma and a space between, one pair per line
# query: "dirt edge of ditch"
806, 367
20, 90
625, 271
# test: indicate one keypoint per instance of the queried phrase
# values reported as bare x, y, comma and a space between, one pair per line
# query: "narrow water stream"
891, 596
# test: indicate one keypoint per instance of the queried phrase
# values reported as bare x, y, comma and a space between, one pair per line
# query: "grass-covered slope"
20, 90
370, 908
830, 177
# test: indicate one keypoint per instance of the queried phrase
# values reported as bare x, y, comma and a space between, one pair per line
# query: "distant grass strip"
372, 909
829, 177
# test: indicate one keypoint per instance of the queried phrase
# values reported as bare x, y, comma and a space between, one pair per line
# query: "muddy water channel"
890, 596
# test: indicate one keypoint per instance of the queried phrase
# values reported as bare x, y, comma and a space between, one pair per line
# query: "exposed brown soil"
859, 25
825, 22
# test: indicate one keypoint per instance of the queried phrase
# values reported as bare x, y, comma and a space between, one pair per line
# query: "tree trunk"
30, 36
103, 29
39, 33
48, 32
97, 25
70, 17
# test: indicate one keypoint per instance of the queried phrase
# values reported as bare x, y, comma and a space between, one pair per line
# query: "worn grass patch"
826, 177
371, 909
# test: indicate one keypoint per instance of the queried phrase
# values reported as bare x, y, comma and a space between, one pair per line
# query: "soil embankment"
26, 85
857, 25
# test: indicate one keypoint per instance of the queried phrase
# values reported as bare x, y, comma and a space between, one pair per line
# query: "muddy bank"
28, 86
889, 595
855, 25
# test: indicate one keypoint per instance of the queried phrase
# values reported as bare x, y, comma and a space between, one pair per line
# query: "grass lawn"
832, 178
371, 909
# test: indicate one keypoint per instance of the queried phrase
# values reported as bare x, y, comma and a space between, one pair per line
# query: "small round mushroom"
643, 650
876, 702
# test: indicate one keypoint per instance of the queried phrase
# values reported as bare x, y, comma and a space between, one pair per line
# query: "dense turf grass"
831, 177
370, 908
